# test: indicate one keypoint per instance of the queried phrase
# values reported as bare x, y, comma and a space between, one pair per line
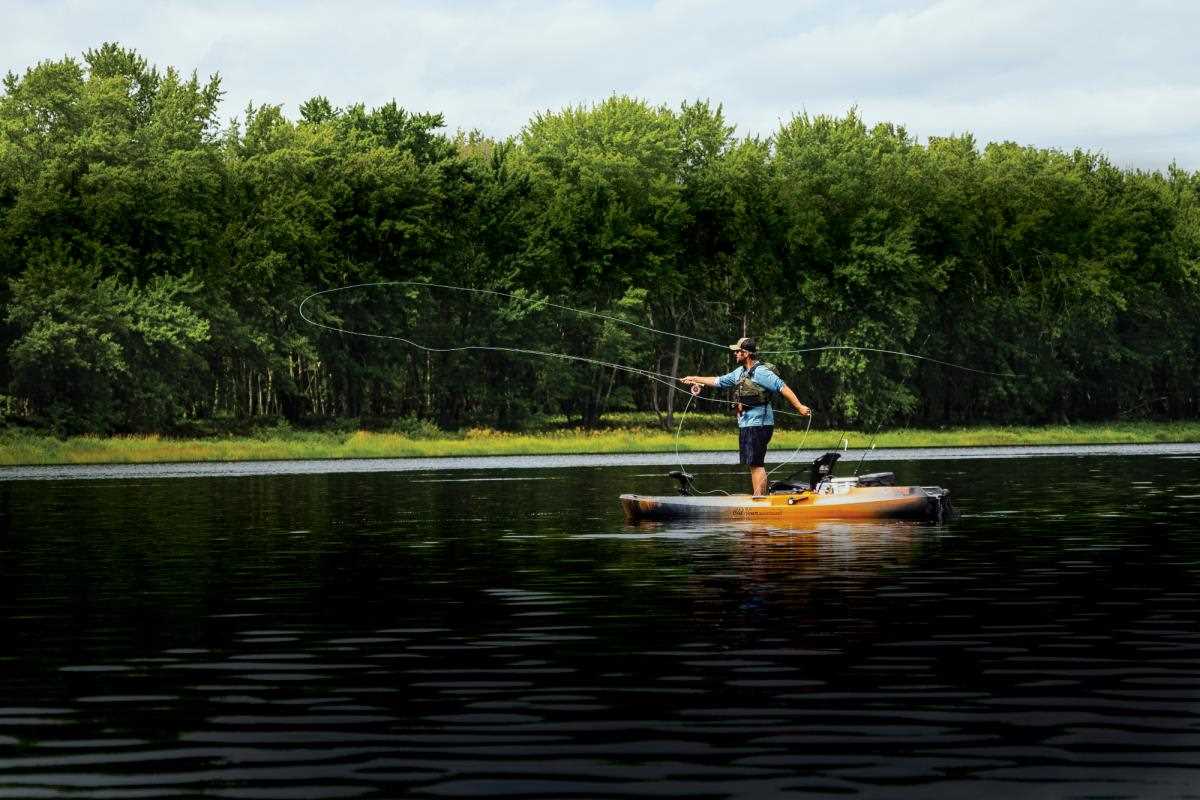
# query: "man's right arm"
720, 381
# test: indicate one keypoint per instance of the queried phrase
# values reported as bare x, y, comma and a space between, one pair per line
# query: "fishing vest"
749, 394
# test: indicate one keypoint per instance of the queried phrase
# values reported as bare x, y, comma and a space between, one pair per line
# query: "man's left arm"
773, 383
790, 396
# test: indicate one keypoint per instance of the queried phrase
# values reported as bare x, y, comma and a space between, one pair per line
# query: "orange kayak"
873, 496
871, 502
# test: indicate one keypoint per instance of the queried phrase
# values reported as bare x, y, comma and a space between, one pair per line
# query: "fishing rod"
668, 380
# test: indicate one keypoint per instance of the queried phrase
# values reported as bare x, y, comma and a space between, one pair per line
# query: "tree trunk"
612, 381
674, 377
654, 393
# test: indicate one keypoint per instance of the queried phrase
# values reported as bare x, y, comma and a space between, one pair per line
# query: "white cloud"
1122, 77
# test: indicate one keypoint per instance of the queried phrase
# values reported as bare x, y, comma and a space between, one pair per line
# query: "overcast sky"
1119, 77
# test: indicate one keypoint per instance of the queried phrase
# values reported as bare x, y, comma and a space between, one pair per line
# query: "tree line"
153, 259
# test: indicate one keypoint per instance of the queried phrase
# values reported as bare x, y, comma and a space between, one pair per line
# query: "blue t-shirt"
757, 415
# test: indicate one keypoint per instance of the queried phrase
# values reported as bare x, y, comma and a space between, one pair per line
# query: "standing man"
754, 386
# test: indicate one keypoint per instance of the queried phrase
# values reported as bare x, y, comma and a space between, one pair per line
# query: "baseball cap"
749, 345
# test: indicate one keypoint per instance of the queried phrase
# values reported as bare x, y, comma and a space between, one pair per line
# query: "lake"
497, 629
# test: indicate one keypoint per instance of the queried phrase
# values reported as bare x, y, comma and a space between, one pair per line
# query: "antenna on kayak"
879, 425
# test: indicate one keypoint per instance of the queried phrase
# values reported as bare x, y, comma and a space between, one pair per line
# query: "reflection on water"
363, 635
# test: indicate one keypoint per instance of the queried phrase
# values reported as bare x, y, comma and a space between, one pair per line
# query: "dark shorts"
752, 444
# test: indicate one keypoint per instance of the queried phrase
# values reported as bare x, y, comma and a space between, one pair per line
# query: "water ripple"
369, 635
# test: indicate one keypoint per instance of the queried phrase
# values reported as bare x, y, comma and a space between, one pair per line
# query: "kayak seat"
787, 487
686, 485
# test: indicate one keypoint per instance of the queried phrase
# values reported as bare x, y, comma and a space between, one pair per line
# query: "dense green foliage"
153, 261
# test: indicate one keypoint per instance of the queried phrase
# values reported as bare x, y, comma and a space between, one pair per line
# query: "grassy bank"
707, 434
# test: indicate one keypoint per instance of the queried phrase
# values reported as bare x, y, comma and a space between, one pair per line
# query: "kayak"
883, 502
873, 496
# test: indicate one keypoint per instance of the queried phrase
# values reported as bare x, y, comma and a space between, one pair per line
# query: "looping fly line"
667, 380
660, 377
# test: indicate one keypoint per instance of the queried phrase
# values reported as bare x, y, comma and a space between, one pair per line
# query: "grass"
703, 433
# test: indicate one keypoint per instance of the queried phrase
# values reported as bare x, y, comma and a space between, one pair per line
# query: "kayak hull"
928, 503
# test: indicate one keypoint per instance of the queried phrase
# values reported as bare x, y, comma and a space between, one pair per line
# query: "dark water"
484, 633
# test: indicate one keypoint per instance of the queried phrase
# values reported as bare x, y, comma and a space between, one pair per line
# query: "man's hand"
804, 410
694, 380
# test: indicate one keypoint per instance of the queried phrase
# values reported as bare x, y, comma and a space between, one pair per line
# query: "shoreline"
436, 469
20, 449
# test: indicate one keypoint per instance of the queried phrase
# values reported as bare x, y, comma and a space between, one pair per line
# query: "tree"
96, 355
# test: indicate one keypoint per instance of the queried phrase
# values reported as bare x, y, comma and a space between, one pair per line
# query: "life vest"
747, 393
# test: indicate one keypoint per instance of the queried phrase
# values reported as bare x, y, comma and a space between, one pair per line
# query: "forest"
154, 257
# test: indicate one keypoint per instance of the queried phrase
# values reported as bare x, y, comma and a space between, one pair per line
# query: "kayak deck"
931, 503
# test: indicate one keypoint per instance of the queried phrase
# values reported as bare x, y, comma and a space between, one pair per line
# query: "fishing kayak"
873, 496
885, 502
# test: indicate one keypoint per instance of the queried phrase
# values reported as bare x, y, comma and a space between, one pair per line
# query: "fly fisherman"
754, 385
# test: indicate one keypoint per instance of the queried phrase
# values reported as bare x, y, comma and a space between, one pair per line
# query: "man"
755, 387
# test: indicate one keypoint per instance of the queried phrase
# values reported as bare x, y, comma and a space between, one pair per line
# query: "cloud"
1119, 77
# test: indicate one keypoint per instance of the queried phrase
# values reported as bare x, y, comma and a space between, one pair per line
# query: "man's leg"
758, 480
759, 437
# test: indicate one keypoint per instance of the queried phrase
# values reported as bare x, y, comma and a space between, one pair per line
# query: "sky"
1120, 78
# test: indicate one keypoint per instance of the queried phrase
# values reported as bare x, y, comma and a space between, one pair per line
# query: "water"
500, 632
